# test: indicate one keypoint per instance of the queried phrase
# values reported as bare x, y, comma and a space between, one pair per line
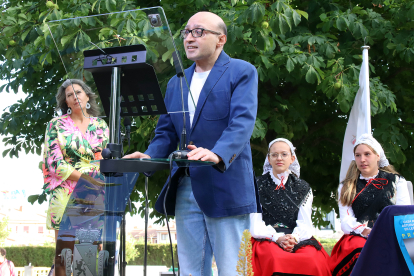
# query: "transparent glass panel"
139, 42
181, 162
88, 240
176, 162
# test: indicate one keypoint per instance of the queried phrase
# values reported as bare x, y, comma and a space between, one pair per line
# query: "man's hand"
137, 154
202, 154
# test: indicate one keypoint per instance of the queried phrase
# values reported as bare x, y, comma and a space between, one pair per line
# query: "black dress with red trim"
371, 198
280, 209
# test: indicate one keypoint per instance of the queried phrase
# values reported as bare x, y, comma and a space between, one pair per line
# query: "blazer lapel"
186, 88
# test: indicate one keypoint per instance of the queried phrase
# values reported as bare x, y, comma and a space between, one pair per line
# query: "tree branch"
313, 130
259, 148
398, 72
407, 123
327, 139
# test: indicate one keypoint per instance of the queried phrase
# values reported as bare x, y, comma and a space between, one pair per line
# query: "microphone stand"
127, 125
182, 152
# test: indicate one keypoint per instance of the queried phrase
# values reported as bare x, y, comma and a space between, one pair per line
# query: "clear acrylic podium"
89, 239
89, 235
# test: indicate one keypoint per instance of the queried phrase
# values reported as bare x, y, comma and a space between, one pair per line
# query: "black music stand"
140, 92
127, 87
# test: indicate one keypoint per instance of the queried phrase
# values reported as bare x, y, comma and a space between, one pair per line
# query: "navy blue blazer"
223, 123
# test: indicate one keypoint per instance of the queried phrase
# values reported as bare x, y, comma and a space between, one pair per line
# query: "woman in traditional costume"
370, 185
282, 235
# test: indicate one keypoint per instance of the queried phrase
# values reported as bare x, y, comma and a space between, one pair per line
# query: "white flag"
360, 118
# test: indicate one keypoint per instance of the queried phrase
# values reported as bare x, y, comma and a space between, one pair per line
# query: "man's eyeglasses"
197, 32
283, 155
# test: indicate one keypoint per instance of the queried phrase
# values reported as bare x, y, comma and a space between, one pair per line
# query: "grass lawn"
328, 244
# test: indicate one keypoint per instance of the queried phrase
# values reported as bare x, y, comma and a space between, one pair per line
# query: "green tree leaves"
4, 232
342, 23
312, 75
256, 12
290, 65
301, 49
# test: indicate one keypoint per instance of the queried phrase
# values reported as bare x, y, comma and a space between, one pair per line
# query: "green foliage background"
42, 256
4, 232
158, 254
38, 256
300, 49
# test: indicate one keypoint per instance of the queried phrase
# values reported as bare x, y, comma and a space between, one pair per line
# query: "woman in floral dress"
72, 141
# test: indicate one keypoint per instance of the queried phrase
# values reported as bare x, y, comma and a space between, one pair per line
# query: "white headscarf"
367, 139
294, 167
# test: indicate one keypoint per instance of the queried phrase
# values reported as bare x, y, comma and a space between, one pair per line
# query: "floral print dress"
66, 149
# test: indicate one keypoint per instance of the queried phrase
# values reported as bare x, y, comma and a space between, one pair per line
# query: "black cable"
127, 125
165, 211
183, 142
129, 143
146, 225
124, 246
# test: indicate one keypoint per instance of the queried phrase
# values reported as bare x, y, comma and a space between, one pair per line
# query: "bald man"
211, 203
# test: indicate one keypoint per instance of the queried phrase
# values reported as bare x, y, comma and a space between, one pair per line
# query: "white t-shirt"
197, 83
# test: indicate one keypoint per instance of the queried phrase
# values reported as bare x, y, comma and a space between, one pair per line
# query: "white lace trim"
277, 180
367, 178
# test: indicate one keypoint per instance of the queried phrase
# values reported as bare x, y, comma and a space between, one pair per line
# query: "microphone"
127, 125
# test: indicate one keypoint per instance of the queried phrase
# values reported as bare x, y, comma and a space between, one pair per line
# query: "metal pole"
123, 244
115, 114
365, 69
146, 225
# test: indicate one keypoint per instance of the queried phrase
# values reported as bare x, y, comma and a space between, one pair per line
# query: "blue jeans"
199, 236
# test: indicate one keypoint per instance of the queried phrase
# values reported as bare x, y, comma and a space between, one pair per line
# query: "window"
25, 229
40, 230
163, 237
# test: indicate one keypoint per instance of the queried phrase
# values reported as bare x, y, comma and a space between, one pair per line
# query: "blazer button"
191, 143
234, 155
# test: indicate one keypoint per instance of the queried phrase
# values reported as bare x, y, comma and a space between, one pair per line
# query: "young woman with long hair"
370, 185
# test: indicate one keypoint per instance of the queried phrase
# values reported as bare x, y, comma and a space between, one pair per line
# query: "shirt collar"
367, 178
277, 179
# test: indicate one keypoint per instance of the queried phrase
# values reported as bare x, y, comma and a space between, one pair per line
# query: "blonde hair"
348, 191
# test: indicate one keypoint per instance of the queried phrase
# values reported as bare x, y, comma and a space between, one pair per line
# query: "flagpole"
365, 49
359, 120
